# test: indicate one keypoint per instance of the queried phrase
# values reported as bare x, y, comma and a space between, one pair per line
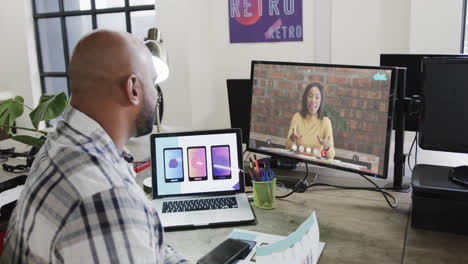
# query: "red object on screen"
324, 153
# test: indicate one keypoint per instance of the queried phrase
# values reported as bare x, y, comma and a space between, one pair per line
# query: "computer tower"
438, 203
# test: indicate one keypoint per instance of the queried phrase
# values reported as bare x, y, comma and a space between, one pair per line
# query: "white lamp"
154, 43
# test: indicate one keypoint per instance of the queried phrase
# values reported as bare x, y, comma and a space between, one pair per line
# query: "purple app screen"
221, 161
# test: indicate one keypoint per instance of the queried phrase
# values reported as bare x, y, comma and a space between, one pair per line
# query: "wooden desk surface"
357, 227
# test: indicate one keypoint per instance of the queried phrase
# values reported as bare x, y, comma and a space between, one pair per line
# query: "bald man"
81, 203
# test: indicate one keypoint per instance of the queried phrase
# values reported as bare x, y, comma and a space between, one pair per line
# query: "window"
59, 24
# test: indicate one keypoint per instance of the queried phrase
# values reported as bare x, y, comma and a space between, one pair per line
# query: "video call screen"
196, 163
331, 115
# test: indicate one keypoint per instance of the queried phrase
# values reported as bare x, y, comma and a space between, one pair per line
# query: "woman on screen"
310, 128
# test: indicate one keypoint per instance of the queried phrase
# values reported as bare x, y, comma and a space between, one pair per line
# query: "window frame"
62, 15
463, 28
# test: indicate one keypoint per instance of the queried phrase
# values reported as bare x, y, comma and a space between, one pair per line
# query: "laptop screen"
196, 162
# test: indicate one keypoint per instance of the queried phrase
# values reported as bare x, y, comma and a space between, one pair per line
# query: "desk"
358, 226
349, 226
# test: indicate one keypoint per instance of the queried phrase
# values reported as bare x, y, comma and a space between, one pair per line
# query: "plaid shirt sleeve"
113, 226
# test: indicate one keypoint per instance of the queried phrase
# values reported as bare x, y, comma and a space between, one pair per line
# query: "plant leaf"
339, 124
11, 109
50, 106
29, 140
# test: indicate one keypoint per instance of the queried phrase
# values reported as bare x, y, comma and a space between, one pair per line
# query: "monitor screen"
413, 85
239, 91
332, 115
444, 118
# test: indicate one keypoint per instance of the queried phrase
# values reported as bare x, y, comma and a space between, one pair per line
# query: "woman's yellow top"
309, 127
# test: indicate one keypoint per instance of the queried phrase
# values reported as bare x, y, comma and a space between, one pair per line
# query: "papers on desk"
10, 195
303, 246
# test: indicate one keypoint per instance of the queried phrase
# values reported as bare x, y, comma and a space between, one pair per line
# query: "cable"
411, 149
14, 168
406, 236
384, 193
286, 195
300, 185
416, 152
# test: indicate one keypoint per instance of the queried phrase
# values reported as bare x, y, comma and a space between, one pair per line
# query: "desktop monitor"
444, 119
239, 95
413, 64
345, 109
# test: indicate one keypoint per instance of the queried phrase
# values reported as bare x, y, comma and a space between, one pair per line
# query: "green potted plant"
339, 124
50, 107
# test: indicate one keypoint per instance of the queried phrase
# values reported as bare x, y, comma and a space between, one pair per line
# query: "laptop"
197, 178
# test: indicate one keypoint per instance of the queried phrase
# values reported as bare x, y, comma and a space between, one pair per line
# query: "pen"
255, 175
251, 176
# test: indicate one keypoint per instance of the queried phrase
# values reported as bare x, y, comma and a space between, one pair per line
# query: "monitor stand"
283, 163
459, 175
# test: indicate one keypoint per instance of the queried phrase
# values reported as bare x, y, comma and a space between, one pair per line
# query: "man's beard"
145, 120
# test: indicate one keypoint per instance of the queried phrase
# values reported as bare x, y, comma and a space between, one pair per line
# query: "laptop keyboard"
199, 204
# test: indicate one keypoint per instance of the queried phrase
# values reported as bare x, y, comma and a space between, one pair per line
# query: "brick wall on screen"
359, 99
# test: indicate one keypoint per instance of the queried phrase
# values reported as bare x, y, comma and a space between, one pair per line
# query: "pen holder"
264, 194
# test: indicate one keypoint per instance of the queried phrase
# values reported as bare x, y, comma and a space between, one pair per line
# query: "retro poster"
265, 20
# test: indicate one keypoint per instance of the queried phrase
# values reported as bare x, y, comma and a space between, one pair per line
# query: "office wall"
435, 26
19, 73
201, 57
363, 29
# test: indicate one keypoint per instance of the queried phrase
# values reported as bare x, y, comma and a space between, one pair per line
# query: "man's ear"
132, 90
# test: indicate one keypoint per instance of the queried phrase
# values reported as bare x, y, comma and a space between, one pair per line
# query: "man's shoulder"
81, 166
119, 198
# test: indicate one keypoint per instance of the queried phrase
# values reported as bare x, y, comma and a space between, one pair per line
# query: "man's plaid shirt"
81, 204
